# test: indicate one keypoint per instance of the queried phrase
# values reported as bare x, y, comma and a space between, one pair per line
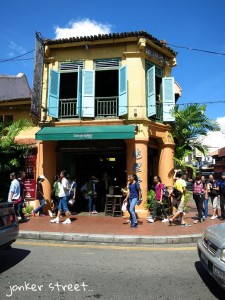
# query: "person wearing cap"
222, 196
40, 197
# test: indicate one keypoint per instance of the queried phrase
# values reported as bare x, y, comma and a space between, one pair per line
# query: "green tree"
12, 154
190, 123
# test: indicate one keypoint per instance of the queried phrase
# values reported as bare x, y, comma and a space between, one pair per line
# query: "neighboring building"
15, 98
219, 158
15, 104
104, 106
214, 140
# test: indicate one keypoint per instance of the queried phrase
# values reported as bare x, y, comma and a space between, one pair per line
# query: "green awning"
81, 133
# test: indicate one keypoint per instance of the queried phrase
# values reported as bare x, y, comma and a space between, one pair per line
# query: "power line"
196, 49
14, 58
156, 105
172, 45
206, 102
31, 58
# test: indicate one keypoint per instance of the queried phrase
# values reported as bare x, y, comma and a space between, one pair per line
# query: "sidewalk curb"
109, 238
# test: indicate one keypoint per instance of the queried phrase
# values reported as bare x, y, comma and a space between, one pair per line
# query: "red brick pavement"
100, 224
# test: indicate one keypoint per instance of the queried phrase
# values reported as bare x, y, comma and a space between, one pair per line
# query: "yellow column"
137, 162
166, 165
46, 165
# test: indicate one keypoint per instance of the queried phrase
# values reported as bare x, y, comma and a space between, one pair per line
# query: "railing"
106, 107
158, 111
68, 108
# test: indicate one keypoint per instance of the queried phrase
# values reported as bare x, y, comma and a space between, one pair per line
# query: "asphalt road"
50, 270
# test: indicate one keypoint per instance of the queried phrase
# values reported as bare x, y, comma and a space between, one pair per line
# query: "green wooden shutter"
88, 93
79, 92
151, 92
123, 91
168, 98
53, 94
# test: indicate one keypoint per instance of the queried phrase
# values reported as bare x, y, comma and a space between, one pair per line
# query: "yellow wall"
132, 54
18, 111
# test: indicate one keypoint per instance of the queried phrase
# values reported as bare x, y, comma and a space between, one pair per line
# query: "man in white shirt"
64, 191
14, 190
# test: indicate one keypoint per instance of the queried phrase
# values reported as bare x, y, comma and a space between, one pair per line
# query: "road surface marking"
46, 244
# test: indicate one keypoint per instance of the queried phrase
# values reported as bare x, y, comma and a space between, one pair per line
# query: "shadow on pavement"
210, 283
10, 258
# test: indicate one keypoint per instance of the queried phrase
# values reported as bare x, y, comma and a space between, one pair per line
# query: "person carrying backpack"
199, 196
222, 196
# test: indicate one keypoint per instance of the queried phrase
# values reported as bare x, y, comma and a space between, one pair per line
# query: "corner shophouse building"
103, 104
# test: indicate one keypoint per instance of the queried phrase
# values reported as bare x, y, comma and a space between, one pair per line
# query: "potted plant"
150, 200
27, 209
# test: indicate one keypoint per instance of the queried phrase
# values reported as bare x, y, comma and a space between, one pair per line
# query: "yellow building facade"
104, 108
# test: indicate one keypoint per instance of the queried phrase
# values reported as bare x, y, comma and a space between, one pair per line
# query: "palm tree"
190, 123
12, 154
10, 151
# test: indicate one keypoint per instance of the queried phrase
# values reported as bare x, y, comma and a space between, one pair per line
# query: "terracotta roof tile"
121, 35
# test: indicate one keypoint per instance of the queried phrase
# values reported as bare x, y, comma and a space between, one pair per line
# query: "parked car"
211, 251
9, 226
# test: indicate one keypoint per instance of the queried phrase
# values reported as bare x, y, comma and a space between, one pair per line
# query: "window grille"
71, 66
103, 64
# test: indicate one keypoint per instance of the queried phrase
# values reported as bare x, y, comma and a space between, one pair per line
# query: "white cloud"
84, 27
221, 122
15, 49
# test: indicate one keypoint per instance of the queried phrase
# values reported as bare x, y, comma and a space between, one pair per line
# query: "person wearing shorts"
180, 185
213, 192
64, 191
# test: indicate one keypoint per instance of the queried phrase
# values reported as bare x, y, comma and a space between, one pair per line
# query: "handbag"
17, 201
124, 206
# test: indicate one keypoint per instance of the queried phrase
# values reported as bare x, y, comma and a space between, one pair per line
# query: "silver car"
9, 227
211, 251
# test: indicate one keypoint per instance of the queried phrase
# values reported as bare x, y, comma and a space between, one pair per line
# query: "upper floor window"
6, 119
77, 92
160, 93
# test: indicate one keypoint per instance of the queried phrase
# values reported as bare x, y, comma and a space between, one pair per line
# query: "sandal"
185, 224
197, 221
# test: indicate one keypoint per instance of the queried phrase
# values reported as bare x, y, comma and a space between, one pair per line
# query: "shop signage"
155, 54
137, 165
83, 136
30, 182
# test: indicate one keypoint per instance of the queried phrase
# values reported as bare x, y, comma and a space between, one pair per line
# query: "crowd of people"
64, 194
203, 191
169, 203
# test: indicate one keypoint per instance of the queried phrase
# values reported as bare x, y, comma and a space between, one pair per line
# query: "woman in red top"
158, 200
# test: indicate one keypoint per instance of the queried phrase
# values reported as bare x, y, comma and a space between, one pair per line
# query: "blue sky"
185, 23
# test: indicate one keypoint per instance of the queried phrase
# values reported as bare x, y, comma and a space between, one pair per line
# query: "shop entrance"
106, 160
